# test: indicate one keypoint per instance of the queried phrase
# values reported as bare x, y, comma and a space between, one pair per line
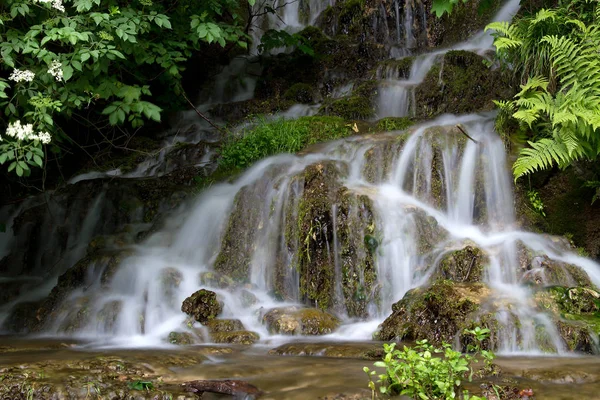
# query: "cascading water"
389, 208
467, 193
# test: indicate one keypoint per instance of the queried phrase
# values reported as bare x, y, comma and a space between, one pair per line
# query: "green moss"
203, 305
461, 83
236, 337
390, 124
280, 136
300, 321
354, 107
464, 265
300, 93
181, 338
225, 325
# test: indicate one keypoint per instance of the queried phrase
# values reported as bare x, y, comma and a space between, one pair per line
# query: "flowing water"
433, 173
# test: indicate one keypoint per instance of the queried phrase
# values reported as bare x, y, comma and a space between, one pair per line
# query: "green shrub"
280, 136
419, 374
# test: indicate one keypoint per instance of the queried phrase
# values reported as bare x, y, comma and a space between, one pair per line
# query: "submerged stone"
215, 279
235, 337
299, 321
203, 305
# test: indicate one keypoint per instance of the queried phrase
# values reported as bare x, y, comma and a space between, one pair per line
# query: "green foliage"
555, 53
140, 385
536, 202
280, 136
419, 374
90, 65
439, 7
273, 39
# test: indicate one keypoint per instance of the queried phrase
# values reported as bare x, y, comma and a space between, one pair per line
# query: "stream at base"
332, 372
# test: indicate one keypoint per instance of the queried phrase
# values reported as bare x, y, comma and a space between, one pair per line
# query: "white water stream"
463, 185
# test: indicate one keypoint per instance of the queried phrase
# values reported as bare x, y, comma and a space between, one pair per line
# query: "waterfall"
435, 173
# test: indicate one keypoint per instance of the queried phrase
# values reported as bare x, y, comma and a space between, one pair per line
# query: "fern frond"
542, 154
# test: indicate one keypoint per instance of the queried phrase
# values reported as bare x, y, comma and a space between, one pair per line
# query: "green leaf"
38, 160
67, 72
439, 7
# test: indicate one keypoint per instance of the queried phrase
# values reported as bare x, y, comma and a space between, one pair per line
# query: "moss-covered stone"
353, 107
461, 83
215, 279
181, 338
236, 337
464, 265
299, 321
436, 313
22, 318
224, 325
300, 93
170, 280
398, 69
203, 305
465, 20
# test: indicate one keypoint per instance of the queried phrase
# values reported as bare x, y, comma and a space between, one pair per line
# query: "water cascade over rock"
419, 223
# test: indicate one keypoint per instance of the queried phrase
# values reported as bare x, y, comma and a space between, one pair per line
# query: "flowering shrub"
91, 64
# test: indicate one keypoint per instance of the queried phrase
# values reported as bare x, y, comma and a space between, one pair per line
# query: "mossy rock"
299, 321
463, 265
216, 280
224, 325
540, 270
300, 93
465, 20
353, 107
579, 336
181, 338
203, 305
398, 68
236, 337
76, 315
460, 84
436, 313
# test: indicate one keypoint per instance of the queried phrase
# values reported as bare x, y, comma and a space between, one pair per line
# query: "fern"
542, 154
556, 53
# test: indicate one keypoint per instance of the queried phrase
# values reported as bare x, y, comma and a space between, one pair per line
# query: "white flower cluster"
56, 70
19, 76
25, 132
57, 4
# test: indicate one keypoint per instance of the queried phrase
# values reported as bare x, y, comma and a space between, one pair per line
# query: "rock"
540, 270
216, 280
21, 318
108, 315
248, 298
181, 338
436, 313
203, 305
365, 351
235, 337
299, 321
170, 280
464, 265
224, 325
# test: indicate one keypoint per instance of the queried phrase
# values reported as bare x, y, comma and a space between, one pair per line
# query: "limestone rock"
203, 305
299, 321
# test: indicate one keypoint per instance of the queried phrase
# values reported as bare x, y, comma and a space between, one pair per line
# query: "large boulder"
203, 306
299, 321
436, 313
